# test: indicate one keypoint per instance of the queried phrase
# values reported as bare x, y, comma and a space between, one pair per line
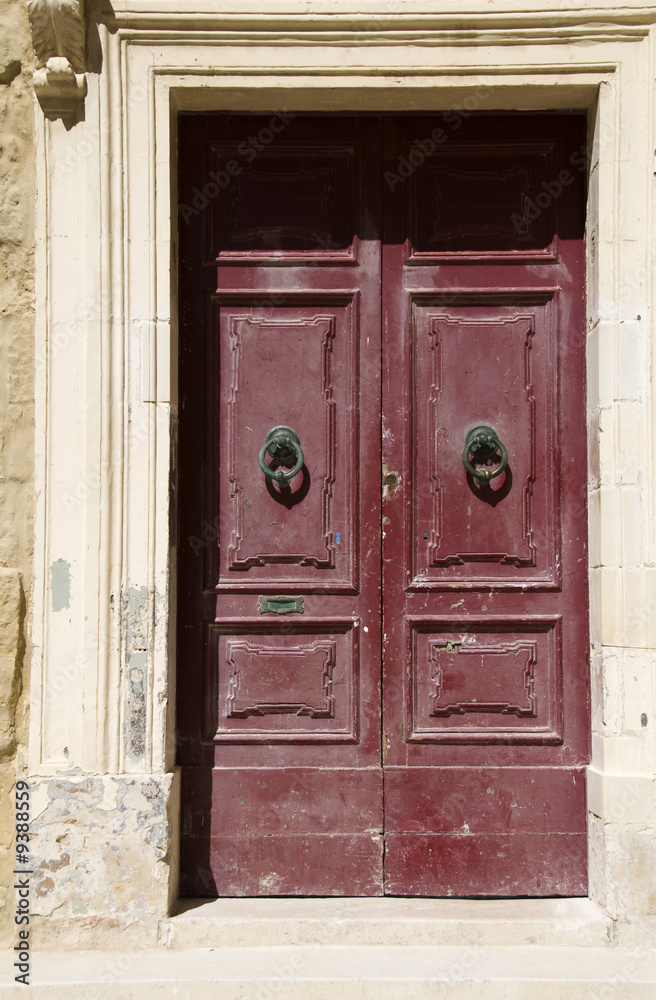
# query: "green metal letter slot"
281, 605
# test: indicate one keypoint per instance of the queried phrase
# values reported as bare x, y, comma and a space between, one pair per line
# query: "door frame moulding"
117, 642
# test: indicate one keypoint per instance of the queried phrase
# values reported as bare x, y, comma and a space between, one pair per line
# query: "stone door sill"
386, 921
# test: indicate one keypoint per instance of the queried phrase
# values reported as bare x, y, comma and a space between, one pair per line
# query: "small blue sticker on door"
338, 537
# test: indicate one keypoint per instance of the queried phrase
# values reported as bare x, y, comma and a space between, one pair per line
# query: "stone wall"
16, 416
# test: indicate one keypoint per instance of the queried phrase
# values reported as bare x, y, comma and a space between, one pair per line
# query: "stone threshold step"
233, 923
330, 973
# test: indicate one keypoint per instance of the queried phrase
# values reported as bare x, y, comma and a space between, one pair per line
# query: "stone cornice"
59, 28
367, 16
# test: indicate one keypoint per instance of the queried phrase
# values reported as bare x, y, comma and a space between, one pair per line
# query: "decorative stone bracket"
59, 39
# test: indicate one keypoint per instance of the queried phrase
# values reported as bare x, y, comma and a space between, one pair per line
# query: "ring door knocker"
481, 444
282, 444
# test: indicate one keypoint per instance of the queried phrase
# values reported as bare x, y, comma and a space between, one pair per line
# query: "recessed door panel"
509, 801
489, 682
494, 359
454, 864
275, 365
283, 684
492, 199
279, 831
290, 202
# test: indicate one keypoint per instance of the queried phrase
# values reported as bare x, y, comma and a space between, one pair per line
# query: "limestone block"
631, 369
619, 754
103, 864
619, 530
630, 871
594, 533
627, 799
638, 671
622, 866
632, 443
11, 648
622, 696
639, 595
384, 921
594, 448
597, 707
610, 534
597, 866
13, 16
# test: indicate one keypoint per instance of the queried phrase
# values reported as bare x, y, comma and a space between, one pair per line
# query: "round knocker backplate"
482, 443
282, 444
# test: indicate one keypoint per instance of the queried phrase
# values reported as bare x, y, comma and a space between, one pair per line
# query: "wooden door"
288, 240
485, 581
279, 622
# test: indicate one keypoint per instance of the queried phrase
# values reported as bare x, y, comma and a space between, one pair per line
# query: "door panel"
276, 361
473, 196
292, 202
283, 684
496, 681
477, 682
280, 584
484, 581
501, 355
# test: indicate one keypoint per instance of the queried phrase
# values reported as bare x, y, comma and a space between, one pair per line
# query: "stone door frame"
102, 744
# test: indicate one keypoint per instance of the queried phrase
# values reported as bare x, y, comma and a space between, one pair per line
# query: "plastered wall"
16, 415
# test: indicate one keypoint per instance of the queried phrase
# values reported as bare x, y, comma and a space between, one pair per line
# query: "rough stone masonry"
16, 416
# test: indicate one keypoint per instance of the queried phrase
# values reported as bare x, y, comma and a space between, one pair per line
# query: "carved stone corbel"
59, 39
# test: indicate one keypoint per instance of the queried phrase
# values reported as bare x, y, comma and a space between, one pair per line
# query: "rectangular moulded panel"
486, 361
289, 203
282, 683
490, 681
293, 363
484, 202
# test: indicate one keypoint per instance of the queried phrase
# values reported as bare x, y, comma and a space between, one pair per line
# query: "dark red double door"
382, 662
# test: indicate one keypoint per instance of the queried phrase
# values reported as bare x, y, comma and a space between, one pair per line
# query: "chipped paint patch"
60, 585
135, 606
136, 714
140, 608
